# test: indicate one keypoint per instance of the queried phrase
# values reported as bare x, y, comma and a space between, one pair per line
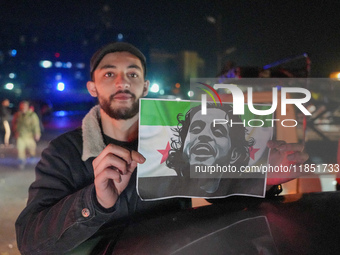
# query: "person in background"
26, 130
5, 117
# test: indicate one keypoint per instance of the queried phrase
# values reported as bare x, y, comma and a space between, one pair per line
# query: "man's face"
5, 103
23, 107
206, 144
118, 84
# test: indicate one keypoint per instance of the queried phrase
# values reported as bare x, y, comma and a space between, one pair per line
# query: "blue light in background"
58, 77
9, 86
60, 86
120, 37
45, 64
60, 113
12, 75
80, 65
13, 52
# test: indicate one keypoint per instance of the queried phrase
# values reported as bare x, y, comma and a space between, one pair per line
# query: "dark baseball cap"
115, 47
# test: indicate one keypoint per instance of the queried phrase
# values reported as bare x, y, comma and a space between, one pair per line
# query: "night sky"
255, 32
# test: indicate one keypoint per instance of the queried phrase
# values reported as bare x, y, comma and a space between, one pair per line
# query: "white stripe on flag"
152, 139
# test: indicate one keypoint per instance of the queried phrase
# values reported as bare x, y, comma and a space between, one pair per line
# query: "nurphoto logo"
238, 99
300, 97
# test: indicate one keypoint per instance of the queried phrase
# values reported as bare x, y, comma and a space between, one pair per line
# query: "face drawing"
204, 143
198, 143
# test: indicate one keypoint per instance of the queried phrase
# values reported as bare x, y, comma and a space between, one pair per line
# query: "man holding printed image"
85, 183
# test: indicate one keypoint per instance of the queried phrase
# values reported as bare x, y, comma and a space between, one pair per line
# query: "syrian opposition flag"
157, 121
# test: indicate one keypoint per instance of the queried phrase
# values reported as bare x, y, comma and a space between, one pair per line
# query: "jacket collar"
93, 141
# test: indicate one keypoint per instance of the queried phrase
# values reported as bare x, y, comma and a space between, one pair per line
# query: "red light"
57, 55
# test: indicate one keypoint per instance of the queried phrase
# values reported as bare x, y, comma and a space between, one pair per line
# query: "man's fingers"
136, 156
114, 150
113, 169
272, 144
106, 175
283, 153
113, 162
285, 147
293, 147
298, 157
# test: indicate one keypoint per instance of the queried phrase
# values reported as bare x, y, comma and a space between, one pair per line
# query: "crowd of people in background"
20, 129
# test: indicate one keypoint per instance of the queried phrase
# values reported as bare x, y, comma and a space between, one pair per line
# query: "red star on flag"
165, 153
252, 152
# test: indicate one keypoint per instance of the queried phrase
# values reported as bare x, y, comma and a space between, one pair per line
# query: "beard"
122, 113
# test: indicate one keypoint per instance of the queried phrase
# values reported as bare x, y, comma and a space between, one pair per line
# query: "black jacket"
62, 211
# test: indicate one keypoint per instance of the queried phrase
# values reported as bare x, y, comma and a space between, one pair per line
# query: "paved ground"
14, 183
13, 190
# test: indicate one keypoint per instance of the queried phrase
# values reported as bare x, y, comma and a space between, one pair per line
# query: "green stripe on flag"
162, 112
155, 112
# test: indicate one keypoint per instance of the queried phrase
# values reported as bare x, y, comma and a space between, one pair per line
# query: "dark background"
250, 33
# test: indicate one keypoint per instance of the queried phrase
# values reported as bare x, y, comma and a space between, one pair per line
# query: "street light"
9, 86
335, 75
61, 86
154, 88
